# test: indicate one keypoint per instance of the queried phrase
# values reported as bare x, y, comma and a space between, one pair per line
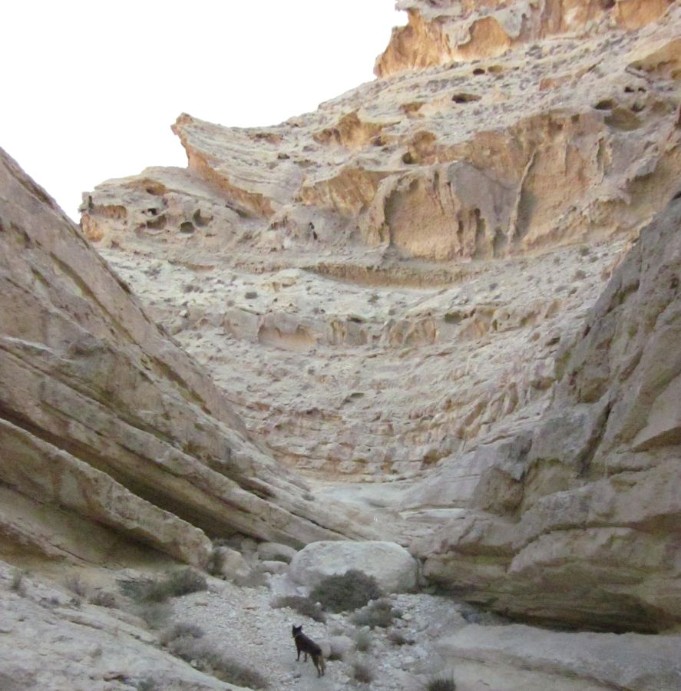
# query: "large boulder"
391, 565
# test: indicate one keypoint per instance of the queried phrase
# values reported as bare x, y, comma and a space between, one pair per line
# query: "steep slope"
385, 285
108, 431
408, 190
576, 520
571, 134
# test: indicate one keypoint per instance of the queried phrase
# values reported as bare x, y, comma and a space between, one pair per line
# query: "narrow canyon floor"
364, 374
365, 380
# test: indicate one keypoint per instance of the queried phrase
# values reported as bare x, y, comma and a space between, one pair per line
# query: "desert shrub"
17, 584
441, 684
146, 684
363, 641
362, 672
175, 584
215, 562
182, 630
377, 613
398, 638
348, 592
103, 598
76, 585
212, 661
155, 614
302, 605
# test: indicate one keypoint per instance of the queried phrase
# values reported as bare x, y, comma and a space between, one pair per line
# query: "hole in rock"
465, 98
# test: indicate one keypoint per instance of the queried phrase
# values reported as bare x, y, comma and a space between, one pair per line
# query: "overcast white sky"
89, 89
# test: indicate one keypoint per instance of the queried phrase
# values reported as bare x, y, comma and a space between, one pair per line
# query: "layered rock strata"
384, 286
408, 190
567, 132
575, 521
108, 431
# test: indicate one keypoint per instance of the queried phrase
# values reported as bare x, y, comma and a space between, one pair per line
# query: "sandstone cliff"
572, 133
109, 433
386, 286
576, 520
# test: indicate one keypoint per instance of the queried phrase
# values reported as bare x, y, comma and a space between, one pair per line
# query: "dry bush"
18, 584
348, 592
362, 672
208, 659
378, 613
103, 598
155, 614
302, 605
441, 684
398, 638
363, 641
182, 630
74, 583
175, 584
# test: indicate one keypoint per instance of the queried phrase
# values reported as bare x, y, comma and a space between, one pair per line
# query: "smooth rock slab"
626, 661
391, 565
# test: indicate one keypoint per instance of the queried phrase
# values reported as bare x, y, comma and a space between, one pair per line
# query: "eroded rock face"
107, 428
563, 113
442, 31
403, 268
580, 525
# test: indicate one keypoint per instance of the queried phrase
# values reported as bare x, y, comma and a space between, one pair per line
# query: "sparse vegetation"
348, 592
363, 641
182, 630
378, 613
215, 562
74, 583
147, 684
362, 672
103, 598
441, 684
155, 614
302, 605
17, 584
212, 661
175, 584
397, 638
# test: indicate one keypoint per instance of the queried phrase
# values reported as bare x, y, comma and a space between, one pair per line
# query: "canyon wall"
465, 148
396, 286
109, 433
575, 521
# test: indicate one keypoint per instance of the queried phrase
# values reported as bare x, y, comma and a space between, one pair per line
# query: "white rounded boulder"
392, 566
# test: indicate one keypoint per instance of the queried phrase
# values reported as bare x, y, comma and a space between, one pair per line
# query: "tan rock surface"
579, 526
572, 130
400, 287
107, 428
399, 271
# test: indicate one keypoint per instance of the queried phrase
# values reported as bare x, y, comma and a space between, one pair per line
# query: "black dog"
307, 645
